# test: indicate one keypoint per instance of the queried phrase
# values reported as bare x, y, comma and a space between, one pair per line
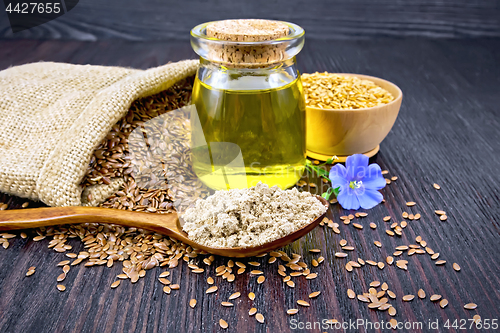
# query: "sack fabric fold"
53, 116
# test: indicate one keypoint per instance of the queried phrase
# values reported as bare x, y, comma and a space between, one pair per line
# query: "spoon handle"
44, 217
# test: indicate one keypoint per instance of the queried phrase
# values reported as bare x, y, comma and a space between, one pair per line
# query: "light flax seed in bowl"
337, 91
348, 113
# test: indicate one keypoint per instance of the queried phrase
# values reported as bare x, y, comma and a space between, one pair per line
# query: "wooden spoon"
166, 224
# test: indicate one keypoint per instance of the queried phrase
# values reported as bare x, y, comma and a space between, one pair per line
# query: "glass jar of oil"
250, 110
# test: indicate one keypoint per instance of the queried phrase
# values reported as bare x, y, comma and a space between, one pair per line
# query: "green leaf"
327, 194
331, 159
336, 191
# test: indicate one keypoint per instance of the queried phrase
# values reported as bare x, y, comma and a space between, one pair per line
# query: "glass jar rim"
199, 32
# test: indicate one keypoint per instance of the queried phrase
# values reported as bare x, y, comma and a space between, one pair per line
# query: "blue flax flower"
357, 183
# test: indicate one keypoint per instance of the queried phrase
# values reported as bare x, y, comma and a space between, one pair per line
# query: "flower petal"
338, 175
373, 179
347, 198
356, 166
369, 199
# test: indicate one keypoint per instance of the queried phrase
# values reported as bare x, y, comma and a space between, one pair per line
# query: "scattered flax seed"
470, 306
411, 203
375, 284
227, 304
435, 298
477, 318
223, 323
256, 272
251, 296
315, 250
357, 226
254, 263
61, 287
387, 181
384, 286
443, 217
408, 298
260, 318
174, 287
377, 243
389, 260
385, 172
38, 238
311, 276
252, 311
315, 263
235, 295
405, 215
387, 218
212, 289
321, 259
443, 303
303, 303
392, 311
314, 294
391, 294
271, 260
348, 248
61, 277
384, 306
371, 262
290, 283
261, 279
292, 311
373, 225
115, 284
343, 242
340, 255
23, 235
440, 212
192, 303
30, 272
380, 265
394, 323
421, 293
394, 178
456, 267
389, 232
240, 271
351, 294
440, 262
363, 298
435, 256
166, 290
436, 186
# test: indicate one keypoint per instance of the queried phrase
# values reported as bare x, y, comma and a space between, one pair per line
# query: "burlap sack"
53, 116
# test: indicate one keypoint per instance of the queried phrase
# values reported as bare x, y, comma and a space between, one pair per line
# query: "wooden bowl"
346, 132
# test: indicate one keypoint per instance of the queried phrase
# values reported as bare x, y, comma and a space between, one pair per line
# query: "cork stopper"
251, 30
247, 31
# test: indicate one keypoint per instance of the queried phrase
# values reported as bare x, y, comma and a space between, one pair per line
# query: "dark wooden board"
447, 132
326, 19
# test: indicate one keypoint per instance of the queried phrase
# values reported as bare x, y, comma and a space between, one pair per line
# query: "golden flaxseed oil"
252, 131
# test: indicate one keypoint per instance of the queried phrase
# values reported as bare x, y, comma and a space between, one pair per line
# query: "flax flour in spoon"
250, 217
